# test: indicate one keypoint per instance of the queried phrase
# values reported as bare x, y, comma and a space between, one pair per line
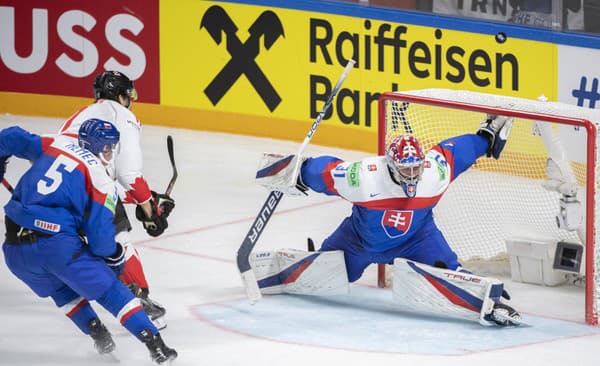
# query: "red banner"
58, 47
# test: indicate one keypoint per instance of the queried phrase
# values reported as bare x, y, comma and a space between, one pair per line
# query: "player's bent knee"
116, 298
64, 295
300, 272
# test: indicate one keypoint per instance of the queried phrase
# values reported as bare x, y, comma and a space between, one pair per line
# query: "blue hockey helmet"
98, 137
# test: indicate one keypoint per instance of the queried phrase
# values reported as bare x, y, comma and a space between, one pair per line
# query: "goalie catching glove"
496, 129
281, 173
161, 206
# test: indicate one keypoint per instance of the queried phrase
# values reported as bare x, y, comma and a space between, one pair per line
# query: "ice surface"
191, 270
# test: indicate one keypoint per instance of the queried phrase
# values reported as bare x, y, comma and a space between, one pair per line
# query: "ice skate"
505, 316
159, 352
156, 312
103, 341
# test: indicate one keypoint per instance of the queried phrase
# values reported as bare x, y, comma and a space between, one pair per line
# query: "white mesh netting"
498, 199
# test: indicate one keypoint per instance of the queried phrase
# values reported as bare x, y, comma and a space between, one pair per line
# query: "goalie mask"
405, 160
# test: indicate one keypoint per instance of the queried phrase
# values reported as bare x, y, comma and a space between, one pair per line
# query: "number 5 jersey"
66, 190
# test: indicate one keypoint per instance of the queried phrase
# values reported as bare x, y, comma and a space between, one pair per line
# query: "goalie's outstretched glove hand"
165, 203
157, 223
116, 261
496, 129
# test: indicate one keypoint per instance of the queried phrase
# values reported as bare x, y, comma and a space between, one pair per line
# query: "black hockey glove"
116, 261
157, 223
165, 203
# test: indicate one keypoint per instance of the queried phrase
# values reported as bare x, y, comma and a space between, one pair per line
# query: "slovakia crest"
396, 223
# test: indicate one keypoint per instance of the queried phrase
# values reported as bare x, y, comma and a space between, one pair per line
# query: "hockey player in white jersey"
392, 221
114, 94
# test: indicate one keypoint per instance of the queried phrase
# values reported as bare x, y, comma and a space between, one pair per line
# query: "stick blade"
251, 286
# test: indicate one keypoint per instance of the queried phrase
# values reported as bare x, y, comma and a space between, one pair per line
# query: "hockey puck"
500, 37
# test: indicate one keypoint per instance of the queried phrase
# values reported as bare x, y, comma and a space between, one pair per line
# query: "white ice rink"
191, 270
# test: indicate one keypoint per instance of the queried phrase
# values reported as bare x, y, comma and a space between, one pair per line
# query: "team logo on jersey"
111, 201
396, 223
441, 166
45, 225
372, 167
353, 176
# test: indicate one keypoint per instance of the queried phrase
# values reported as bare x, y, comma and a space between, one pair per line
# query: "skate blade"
167, 362
110, 357
160, 323
518, 322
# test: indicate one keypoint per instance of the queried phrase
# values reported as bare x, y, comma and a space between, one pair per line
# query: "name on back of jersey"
83, 154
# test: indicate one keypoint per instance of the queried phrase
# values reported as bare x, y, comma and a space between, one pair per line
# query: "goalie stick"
243, 254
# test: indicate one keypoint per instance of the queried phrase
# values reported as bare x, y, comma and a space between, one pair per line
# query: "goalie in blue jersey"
391, 222
66, 194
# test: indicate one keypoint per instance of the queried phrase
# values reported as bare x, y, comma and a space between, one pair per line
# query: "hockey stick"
172, 158
243, 254
7, 185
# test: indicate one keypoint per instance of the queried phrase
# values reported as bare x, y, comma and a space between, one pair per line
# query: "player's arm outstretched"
294, 175
490, 139
20, 143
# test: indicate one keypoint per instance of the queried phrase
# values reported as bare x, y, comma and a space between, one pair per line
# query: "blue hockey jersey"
382, 215
66, 190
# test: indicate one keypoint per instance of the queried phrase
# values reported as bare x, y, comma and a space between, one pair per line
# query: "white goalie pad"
425, 289
300, 272
279, 172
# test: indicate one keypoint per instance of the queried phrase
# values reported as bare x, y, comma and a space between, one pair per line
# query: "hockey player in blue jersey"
67, 193
393, 197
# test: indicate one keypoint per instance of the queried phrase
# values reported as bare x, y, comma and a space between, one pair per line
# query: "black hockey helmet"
112, 84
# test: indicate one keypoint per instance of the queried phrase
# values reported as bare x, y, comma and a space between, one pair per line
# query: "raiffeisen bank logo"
243, 54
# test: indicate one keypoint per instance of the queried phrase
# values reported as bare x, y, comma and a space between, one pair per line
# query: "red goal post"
497, 199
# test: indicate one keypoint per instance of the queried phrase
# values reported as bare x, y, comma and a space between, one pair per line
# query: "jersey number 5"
53, 176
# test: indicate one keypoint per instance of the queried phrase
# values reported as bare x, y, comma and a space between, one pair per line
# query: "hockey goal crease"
499, 199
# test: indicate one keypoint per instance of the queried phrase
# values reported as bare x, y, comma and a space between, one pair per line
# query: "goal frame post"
591, 312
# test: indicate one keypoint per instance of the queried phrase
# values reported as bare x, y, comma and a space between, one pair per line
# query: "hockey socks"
121, 303
81, 313
133, 272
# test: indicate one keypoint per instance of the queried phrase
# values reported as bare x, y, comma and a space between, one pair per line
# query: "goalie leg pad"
424, 289
300, 272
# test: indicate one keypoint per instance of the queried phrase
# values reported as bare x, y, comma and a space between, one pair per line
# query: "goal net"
499, 199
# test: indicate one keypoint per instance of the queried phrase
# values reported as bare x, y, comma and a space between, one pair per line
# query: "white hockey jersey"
128, 160
382, 214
